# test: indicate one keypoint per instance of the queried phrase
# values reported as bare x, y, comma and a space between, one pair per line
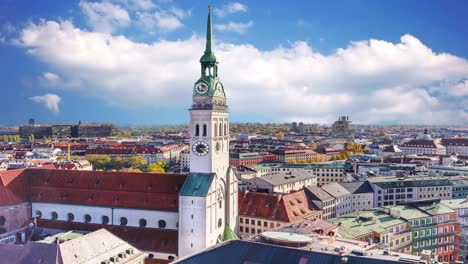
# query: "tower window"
225, 129
54, 215
216, 129
2, 220
87, 218
204, 130
162, 224
220, 129
70, 217
220, 222
207, 71
197, 130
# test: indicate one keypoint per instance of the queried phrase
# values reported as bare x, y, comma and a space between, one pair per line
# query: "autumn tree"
279, 135
158, 167
100, 162
137, 162
117, 163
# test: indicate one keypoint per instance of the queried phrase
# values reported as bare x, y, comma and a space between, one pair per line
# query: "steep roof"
12, 187
357, 187
197, 184
146, 239
335, 189
116, 189
283, 208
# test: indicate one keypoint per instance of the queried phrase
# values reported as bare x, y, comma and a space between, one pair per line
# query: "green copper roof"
197, 184
209, 55
228, 234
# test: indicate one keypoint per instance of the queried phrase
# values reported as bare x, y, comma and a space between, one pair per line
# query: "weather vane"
209, 8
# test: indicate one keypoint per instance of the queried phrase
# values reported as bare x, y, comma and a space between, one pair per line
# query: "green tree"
5, 139
137, 162
99, 162
117, 163
31, 138
158, 167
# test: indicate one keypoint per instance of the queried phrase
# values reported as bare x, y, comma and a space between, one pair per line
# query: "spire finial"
209, 8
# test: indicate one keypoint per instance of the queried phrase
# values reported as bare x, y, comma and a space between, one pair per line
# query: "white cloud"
136, 4
460, 89
51, 77
50, 101
372, 81
105, 16
159, 20
234, 27
231, 8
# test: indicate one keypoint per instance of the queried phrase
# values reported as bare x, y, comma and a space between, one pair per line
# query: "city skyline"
135, 62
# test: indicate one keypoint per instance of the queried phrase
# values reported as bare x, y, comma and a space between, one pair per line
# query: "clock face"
201, 88
200, 148
219, 89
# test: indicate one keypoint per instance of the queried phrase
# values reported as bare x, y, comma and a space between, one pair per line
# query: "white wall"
133, 216
191, 242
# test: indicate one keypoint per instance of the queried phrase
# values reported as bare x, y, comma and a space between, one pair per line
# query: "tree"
99, 162
117, 163
302, 161
350, 146
158, 167
17, 139
279, 135
137, 162
5, 139
31, 138
292, 161
126, 133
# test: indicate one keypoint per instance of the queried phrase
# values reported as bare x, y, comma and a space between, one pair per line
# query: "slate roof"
197, 184
317, 193
335, 189
357, 187
247, 252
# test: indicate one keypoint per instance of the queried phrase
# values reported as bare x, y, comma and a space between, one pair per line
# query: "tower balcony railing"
209, 107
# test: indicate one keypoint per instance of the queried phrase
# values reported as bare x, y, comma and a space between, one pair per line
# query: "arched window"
220, 222
123, 221
87, 218
143, 222
2, 220
38, 214
54, 216
207, 71
70, 217
225, 129
105, 220
204, 130
197, 130
220, 129
211, 71
215, 129
162, 224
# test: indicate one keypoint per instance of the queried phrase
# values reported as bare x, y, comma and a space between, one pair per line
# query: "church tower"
208, 198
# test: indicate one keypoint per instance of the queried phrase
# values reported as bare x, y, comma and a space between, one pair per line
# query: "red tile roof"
146, 239
117, 189
12, 187
284, 208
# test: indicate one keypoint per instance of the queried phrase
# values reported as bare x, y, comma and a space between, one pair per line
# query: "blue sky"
135, 61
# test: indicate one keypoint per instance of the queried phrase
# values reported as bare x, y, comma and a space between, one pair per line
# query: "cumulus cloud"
165, 22
231, 8
372, 81
50, 101
234, 27
105, 16
136, 4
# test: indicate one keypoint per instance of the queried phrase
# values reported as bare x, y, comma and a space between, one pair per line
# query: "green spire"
208, 32
209, 55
